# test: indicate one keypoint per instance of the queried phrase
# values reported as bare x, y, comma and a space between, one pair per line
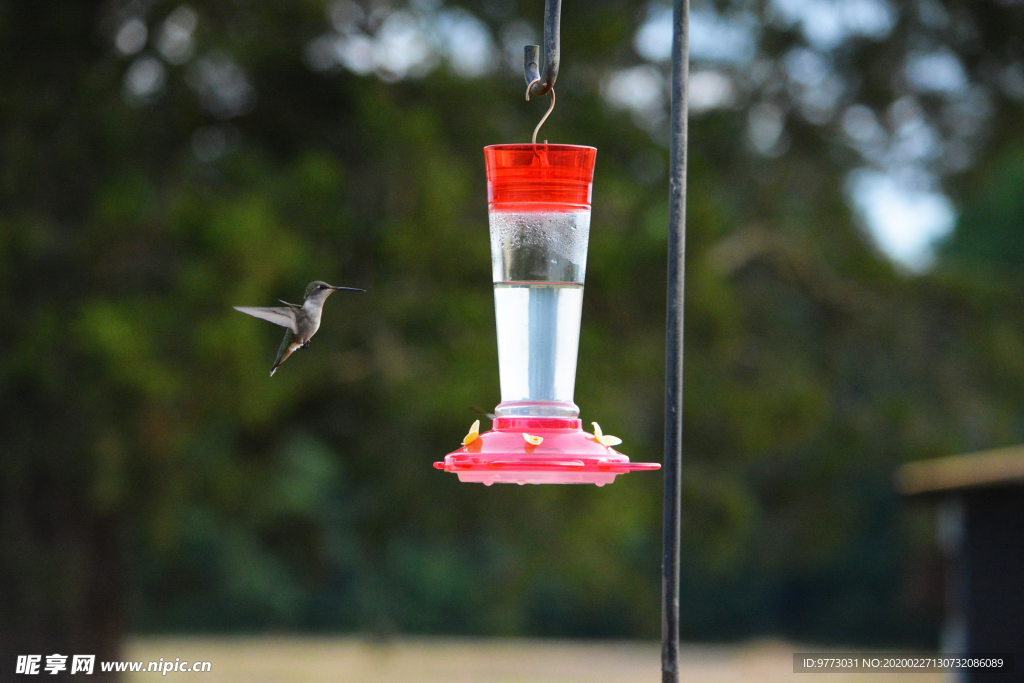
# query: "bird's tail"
280, 359
284, 351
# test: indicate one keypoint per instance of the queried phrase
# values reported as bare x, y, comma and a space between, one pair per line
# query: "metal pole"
542, 83
674, 345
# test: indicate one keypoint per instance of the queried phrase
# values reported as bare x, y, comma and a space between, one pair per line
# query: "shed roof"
998, 467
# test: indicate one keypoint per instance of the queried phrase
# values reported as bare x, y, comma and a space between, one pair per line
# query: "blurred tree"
161, 162
989, 235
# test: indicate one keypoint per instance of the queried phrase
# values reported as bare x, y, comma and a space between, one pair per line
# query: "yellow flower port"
606, 440
474, 434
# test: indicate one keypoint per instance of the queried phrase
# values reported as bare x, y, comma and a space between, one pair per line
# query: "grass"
293, 659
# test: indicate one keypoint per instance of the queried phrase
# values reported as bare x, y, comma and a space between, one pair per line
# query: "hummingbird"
301, 322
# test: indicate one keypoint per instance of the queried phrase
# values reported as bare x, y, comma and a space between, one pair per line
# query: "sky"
904, 221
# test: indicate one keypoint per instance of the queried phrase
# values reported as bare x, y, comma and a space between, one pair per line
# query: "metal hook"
540, 84
546, 114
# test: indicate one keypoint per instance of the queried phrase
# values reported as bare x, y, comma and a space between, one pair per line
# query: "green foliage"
988, 235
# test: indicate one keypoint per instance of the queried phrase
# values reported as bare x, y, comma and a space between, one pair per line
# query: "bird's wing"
285, 317
289, 305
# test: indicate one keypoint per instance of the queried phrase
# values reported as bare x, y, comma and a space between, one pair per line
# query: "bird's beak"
347, 289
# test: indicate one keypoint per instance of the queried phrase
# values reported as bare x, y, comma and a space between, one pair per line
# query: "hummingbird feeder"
539, 210
539, 207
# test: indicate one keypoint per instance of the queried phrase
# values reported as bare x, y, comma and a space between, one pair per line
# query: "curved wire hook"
547, 113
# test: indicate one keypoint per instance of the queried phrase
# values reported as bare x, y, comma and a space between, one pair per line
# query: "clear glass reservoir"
539, 211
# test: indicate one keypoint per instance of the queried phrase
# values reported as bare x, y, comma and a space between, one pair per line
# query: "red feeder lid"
539, 177
565, 454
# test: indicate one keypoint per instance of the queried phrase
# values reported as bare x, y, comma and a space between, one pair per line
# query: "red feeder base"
566, 455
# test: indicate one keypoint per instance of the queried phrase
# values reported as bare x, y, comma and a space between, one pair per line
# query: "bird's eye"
322, 287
